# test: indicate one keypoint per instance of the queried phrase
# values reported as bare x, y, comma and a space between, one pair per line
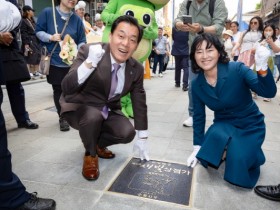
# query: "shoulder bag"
44, 65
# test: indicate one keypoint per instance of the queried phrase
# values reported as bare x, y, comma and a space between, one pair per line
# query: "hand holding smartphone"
187, 19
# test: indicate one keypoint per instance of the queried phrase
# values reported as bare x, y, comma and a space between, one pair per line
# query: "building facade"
270, 12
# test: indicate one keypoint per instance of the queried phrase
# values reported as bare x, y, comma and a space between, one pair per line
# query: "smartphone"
187, 19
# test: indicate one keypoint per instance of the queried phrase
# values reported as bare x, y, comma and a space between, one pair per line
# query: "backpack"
211, 7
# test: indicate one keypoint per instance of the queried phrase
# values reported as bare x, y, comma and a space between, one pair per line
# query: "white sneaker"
160, 75
188, 122
31, 75
41, 75
153, 75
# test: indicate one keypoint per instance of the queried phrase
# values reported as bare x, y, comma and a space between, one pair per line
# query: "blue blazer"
238, 124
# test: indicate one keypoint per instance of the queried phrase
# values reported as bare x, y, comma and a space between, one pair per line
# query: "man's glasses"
254, 23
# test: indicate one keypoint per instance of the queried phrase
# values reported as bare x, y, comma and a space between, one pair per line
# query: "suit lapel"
129, 73
222, 77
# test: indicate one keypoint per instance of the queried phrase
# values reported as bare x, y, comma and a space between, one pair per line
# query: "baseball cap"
27, 8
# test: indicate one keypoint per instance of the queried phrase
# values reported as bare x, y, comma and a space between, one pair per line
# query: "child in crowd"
228, 42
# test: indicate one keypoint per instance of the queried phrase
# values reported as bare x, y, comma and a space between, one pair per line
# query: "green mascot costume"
144, 12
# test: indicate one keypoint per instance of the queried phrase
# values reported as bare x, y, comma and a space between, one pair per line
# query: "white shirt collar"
114, 61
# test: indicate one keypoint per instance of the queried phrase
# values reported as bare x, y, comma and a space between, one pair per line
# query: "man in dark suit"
91, 95
13, 194
180, 50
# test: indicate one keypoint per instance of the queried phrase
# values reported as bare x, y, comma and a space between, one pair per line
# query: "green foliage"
258, 6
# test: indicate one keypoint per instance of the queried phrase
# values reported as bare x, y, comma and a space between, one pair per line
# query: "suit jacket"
95, 90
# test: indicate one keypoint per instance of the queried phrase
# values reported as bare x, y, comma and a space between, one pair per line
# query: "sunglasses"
254, 23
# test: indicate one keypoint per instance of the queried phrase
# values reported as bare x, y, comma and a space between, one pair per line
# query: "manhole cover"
156, 180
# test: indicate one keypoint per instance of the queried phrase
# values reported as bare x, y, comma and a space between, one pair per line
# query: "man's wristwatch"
201, 30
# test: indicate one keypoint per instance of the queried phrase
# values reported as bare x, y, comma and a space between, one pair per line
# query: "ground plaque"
157, 180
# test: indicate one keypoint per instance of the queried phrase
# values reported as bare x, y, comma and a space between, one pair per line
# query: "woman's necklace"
213, 84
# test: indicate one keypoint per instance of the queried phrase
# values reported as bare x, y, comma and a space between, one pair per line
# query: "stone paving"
49, 161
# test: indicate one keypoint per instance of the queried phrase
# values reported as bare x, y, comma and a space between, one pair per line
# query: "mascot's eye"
147, 19
130, 13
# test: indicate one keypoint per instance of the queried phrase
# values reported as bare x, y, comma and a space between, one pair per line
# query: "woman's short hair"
128, 19
211, 40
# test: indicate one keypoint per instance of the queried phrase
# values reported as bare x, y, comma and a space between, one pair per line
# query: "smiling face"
80, 12
123, 41
234, 28
206, 58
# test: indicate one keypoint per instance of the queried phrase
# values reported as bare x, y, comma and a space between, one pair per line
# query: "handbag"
45, 62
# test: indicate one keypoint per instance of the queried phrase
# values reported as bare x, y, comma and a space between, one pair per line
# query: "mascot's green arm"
151, 32
109, 13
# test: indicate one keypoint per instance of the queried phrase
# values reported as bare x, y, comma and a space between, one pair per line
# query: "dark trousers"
12, 191
158, 59
181, 62
57, 91
94, 130
17, 101
55, 78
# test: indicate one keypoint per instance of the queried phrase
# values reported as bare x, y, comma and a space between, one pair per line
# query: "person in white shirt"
234, 26
99, 25
270, 42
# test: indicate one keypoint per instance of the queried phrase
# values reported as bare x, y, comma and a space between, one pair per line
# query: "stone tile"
51, 173
125, 202
77, 198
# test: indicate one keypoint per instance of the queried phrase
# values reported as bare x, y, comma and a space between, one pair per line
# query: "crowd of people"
223, 69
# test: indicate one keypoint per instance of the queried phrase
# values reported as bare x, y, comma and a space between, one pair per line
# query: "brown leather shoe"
104, 153
90, 167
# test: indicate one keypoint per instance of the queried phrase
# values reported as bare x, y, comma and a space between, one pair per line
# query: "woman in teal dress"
238, 128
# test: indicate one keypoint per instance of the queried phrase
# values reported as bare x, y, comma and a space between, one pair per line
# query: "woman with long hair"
238, 128
247, 41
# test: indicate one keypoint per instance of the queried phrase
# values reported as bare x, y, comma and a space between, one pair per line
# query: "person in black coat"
30, 43
13, 194
13, 75
180, 51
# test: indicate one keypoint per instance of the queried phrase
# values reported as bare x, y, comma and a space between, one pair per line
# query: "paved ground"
49, 161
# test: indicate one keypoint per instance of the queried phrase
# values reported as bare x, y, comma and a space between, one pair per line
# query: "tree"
258, 6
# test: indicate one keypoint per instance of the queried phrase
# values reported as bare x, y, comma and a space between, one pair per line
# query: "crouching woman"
238, 128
